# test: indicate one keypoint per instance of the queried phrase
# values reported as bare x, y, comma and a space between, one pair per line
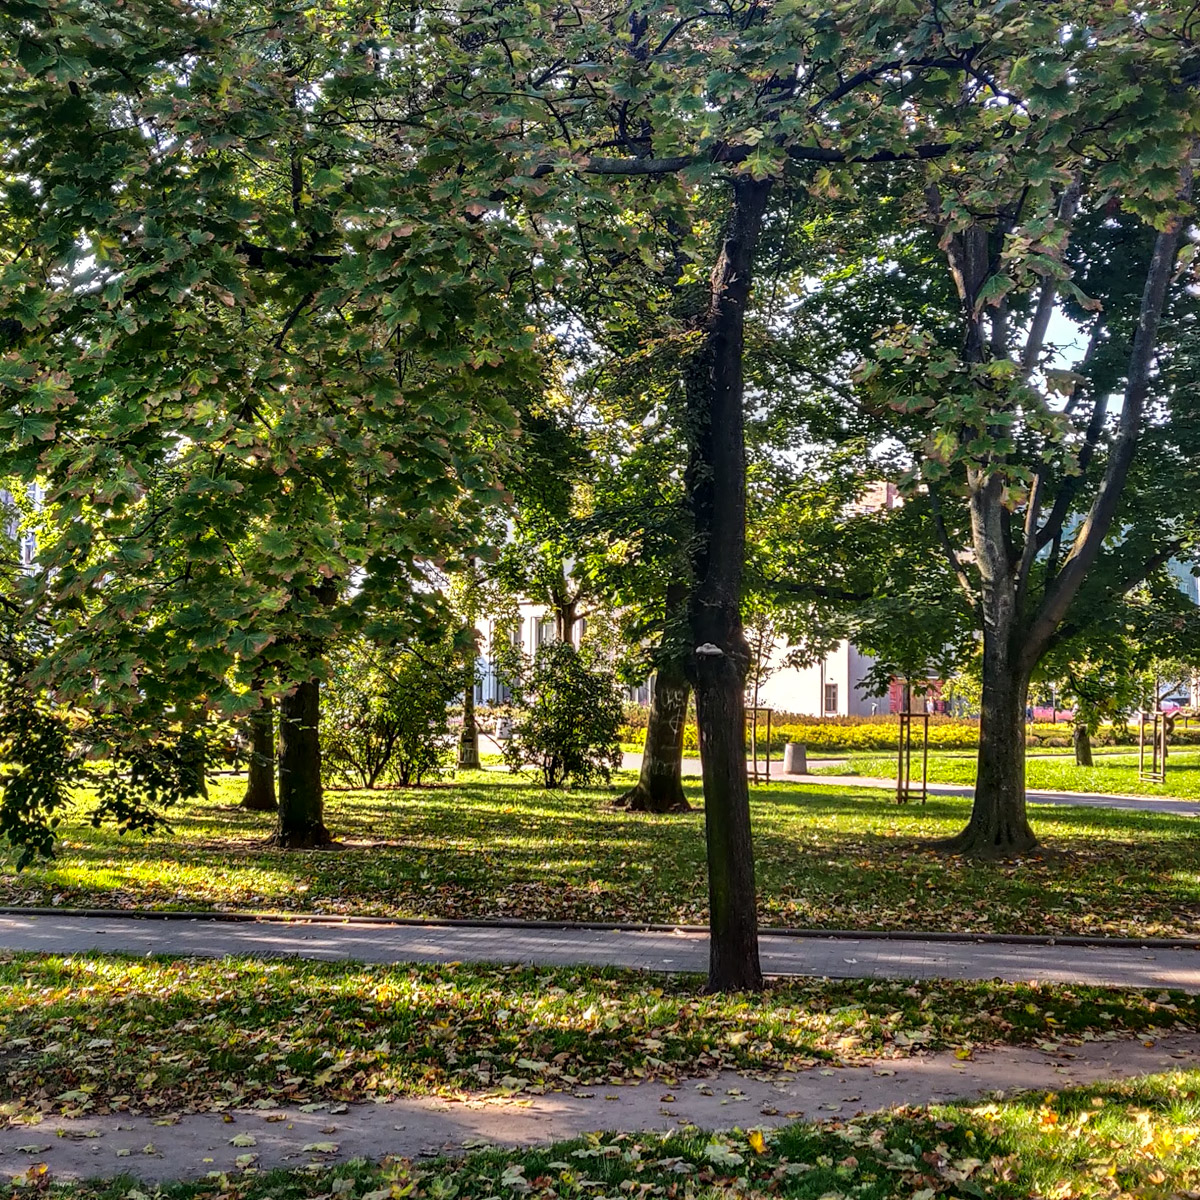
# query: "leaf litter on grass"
494, 847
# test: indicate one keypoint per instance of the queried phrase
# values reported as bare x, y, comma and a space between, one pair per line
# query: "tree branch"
1137, 387
939, 523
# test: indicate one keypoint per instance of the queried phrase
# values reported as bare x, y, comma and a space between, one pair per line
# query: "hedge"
843, 735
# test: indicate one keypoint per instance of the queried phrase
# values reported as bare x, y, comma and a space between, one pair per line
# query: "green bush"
384, 715
569, 719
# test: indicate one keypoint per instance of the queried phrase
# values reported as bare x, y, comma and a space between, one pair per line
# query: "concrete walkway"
195, 1144
675, 951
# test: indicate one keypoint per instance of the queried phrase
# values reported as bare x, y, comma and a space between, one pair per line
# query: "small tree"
387, 720
569, 729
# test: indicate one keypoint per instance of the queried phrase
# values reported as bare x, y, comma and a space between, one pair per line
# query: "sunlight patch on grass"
490, 847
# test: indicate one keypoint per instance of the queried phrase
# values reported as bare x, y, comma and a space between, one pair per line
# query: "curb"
892, 935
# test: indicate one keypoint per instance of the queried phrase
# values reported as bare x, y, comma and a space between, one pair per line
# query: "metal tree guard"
906, 790
1160, 728
755, 773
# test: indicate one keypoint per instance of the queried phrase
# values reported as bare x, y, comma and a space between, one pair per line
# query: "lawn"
101, 1033
1114, 772
1131, 1139
490, 845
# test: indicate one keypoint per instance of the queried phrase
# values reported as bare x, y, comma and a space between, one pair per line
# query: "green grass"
100, 1033
1132, 1139
1114, 772
492, 846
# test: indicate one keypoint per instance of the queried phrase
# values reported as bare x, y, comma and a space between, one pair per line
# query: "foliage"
348, 1032
830, 735
50, 754
385, 714
41, 762
830, 858
1111, 657
570, 717
260, 372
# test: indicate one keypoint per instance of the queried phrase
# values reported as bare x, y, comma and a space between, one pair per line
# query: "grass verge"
1131, 1139
103, 1033
1114, 772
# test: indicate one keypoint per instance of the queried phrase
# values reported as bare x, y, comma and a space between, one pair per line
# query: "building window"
545, 631
831, 704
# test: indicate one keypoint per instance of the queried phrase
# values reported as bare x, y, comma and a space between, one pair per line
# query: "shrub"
385, 717
569, 719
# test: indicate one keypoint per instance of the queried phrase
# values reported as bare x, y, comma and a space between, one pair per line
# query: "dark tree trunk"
195, 761
260, 784
659, 788
301, 803
1083, 746
715, 483
998, 827
468, 743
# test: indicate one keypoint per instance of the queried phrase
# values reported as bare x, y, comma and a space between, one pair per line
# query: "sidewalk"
677, 951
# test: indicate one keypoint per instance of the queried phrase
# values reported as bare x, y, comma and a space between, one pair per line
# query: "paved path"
156, 1149
1166, 804
645, 950
1158, 804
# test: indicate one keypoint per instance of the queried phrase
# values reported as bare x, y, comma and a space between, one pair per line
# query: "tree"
1078, 211
1112, 642
824, 87
260, 391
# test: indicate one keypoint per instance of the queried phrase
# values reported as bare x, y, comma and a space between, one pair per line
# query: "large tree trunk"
998, 827
659, 788
301, 803
260, 784
715, 483
1083, 746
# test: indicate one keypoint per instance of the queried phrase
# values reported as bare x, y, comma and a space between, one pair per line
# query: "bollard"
795, 758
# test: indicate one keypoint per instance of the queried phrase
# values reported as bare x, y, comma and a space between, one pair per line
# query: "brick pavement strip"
678, 951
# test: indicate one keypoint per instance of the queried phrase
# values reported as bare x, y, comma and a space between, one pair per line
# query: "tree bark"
1083, 746
659, 788
195, 760
468, 743
715, 485
260, 784
998, 827
301, 801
